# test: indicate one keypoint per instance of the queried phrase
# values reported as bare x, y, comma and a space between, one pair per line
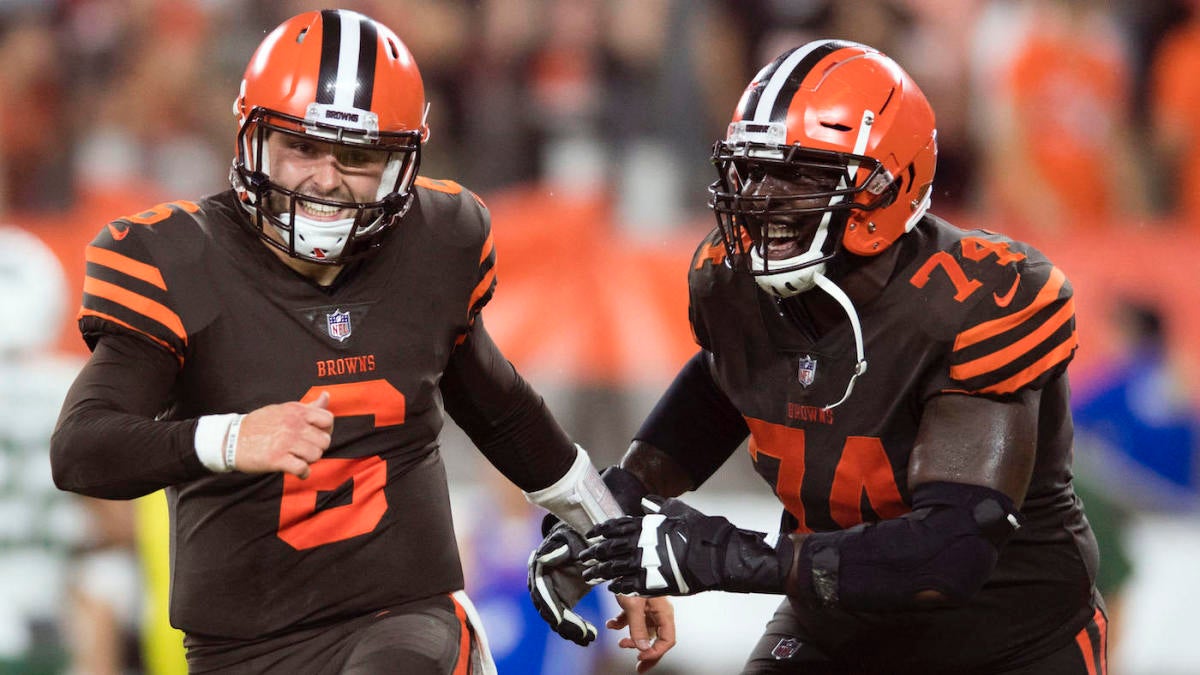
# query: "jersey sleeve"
125, 291
1019, 334
485, 286
503, 416
472, 213
707, 262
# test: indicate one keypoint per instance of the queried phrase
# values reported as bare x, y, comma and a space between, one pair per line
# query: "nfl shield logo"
786, 648
808, 370
338, 324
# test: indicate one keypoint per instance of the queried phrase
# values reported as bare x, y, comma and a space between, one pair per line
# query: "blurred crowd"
586, 125
1053, 112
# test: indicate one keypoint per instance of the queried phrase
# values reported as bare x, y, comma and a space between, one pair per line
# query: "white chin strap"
860, 364
787, 284
328, 237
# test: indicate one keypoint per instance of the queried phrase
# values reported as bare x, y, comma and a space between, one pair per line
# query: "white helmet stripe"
347, 70
793, 69
766, 102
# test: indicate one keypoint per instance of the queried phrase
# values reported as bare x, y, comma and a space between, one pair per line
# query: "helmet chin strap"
788, 284
860, 365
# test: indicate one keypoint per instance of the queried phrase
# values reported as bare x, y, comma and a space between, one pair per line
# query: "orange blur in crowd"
581, 301
583, 296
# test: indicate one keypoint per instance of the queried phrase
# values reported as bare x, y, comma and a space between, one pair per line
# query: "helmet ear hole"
833, 103
890, 193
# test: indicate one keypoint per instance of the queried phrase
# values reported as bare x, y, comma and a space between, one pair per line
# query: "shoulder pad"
125, 289
709, 269
459, 221
454, 214
1015, 324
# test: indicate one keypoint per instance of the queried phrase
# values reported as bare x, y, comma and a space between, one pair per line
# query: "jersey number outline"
863, 471
973, 248
159, 212
302, 524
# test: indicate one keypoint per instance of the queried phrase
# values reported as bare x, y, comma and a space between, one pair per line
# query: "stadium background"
585, 125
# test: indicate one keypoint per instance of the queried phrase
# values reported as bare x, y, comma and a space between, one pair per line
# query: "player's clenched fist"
284, 437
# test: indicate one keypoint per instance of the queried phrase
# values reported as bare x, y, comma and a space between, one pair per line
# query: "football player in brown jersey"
929, 523
278, 357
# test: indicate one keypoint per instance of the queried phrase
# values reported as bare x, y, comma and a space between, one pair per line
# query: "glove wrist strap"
752, 566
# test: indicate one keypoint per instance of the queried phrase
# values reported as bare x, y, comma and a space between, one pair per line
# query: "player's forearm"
107, 443
503, 416
114, 455
657, 471
692, 431
940, 553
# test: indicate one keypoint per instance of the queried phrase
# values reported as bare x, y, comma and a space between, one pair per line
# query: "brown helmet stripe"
346, 76
776, 84
331, 46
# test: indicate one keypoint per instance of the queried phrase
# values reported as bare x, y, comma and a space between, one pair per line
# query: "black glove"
556, 583
677, 550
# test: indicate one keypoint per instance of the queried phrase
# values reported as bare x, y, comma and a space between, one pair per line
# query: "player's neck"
861, 278
321, 275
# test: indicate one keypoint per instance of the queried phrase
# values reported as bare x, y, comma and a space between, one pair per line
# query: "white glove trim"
548, 598
683, 587
648, 542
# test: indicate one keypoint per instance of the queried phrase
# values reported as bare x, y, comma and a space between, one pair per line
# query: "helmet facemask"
308, 239
853, 124
785, 237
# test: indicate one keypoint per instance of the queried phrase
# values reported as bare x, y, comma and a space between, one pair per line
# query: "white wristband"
209, 441
579, 498
231, 439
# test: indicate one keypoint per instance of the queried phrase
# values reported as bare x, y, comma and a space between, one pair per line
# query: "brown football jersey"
974, 313
371, 526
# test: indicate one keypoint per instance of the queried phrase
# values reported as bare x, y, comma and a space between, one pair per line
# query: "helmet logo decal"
807, 372
338, 325
773, 133
786, 648
365, 122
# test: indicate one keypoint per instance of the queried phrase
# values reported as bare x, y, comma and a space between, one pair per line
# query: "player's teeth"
319, 209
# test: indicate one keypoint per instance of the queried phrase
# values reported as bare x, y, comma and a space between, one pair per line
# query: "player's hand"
284, 437
556, 583
651, 623
676, 550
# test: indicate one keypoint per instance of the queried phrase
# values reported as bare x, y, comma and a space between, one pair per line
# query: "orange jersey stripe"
1034, 370
484, 285
90, 312
440, 185
1002, 357
463, 667
489, 245
126, 265
989, 329
1095, 653
1085, 649
137, 303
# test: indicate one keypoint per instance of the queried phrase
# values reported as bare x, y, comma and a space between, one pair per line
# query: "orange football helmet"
847, 123
338, 77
